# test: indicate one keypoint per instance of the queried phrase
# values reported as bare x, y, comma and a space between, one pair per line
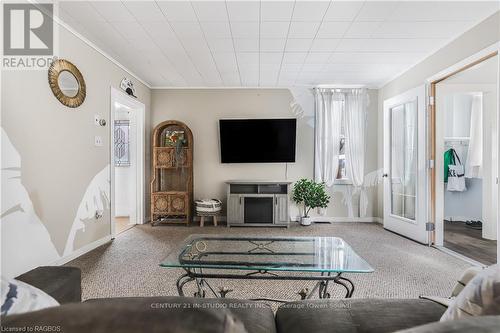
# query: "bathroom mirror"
67, 83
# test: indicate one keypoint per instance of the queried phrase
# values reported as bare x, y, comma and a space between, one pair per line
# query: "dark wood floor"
469, 242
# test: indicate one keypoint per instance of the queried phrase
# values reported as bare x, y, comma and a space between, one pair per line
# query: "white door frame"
414, 229
461, 65
140, 108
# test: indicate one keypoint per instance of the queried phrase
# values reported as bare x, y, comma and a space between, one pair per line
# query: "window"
341, 117
342, 177
122, 143
342, 172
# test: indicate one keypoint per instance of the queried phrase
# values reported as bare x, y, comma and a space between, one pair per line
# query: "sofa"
187, 314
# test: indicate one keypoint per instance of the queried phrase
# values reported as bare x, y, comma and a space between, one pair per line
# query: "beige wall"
201, 110
56, 145
479, 37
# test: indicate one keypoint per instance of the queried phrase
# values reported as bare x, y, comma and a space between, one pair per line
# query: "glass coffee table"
321, 259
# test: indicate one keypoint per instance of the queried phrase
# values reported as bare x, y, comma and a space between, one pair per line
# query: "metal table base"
203, 287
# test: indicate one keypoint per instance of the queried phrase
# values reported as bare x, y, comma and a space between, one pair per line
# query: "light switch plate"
98, 141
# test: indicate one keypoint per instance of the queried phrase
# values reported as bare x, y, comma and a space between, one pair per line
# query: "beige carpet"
128, 266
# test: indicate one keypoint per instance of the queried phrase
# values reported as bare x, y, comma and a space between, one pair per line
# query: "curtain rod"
353, 86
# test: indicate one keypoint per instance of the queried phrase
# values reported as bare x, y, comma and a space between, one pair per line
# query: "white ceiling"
271, 43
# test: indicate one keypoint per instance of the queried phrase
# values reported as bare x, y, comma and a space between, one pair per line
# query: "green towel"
449, 159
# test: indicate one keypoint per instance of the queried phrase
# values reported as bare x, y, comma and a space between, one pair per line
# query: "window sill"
342, 182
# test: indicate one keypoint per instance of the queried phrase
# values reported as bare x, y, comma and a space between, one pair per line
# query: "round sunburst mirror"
67, 83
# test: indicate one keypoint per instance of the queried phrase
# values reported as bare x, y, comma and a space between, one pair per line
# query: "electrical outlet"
97, 118
98, 141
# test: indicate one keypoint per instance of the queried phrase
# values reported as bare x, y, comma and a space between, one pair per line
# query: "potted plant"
311, 195
177, 140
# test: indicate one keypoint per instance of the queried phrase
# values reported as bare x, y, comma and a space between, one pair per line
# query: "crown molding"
66, 26
218, 88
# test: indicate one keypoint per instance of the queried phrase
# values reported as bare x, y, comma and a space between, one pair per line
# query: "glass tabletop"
299, 254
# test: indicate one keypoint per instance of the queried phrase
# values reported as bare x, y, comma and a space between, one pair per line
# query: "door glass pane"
404, 160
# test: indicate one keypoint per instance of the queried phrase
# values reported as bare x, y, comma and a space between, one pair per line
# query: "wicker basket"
208, 207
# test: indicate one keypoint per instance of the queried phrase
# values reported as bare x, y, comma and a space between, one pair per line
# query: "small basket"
208, 207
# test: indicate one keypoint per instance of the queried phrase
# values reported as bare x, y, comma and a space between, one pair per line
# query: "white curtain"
474, 163
356, 101
410, 149
329, 107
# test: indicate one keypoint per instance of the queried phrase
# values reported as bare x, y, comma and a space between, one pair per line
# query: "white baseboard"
318, 219
461, 218
222, 218
334, 219
81, 251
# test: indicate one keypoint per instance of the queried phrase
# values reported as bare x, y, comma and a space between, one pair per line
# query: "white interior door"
405, 171
121, 101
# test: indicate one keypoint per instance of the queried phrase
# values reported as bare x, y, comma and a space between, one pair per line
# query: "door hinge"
431, 100
431, 164
429, 226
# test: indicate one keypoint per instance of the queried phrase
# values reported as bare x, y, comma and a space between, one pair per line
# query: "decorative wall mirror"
67, 83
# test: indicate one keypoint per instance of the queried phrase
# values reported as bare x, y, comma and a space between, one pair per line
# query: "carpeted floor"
128, 266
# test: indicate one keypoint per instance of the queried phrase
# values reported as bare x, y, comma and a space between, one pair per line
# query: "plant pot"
305, 220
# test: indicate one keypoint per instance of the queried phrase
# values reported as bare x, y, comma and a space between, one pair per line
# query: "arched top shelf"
166, 133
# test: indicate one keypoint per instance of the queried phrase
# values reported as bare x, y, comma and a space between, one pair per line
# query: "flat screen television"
257, 140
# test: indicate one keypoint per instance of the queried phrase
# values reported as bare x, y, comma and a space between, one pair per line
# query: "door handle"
385, 175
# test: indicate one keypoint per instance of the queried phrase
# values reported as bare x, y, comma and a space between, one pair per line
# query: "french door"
405, 169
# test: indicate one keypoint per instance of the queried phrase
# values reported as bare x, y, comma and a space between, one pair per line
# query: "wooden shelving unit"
172, 174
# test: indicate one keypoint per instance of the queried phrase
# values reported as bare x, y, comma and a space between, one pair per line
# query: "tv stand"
258, 203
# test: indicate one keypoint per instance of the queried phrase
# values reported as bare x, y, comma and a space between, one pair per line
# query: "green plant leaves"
310, 194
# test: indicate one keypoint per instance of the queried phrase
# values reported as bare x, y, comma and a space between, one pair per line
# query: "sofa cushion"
61, 282
485, 324
464, 279
20, 297
152, 314
480, 297
356, 315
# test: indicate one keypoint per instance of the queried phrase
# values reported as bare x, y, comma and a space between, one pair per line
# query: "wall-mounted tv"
257, 140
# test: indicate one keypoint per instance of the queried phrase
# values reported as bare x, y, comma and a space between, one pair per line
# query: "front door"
405, 170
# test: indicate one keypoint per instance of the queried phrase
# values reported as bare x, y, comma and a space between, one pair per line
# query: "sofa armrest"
60, 282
